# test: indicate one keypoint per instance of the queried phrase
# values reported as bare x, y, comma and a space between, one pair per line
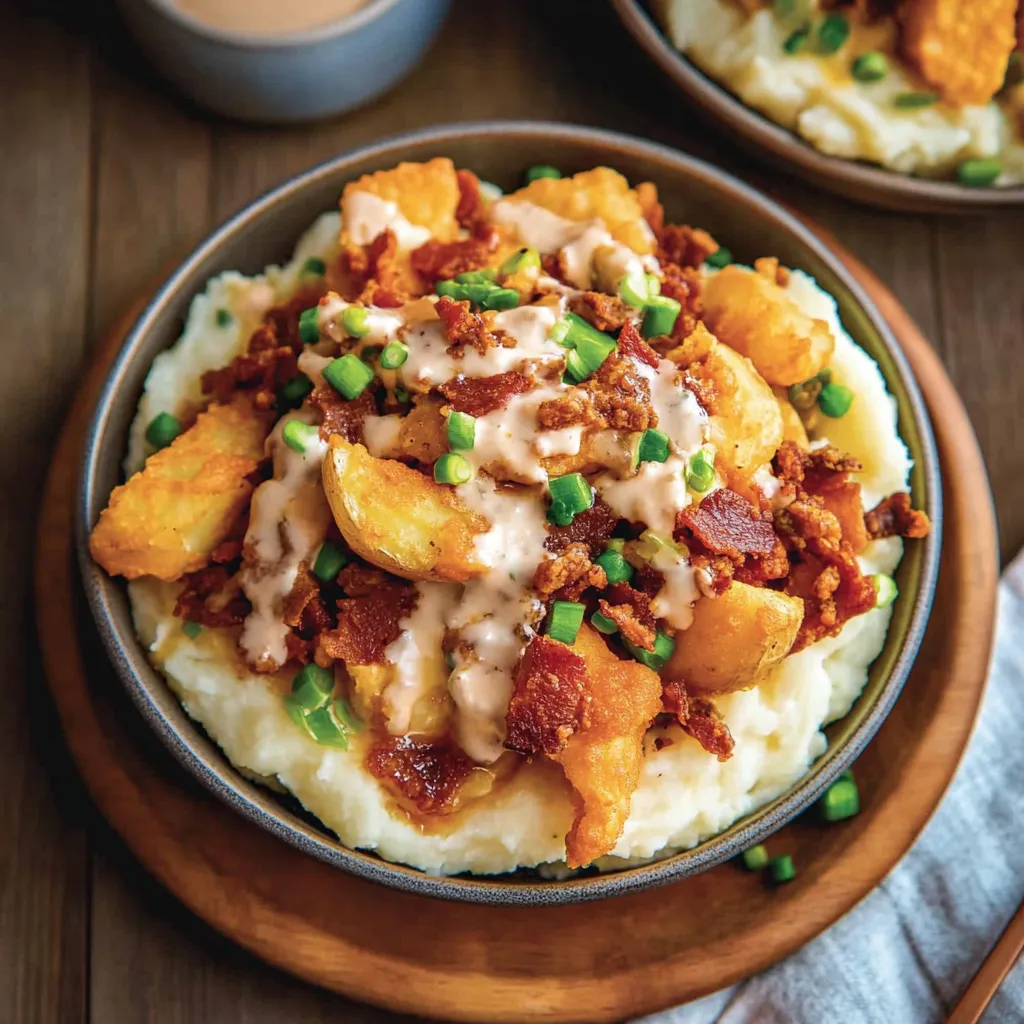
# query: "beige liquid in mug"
269, 17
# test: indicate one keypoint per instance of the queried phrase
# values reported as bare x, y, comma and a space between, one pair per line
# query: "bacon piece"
592, 527
795, 465
551, 699
441, 261
605, 312
425, 776
631, 611
684, 246
634, 347
213, 597
727, 524
471, 206
373, 267
684, 285
895, 517
369, 618
465, 328
569, 574
304, 609
699, 719
620, 394
757, 570
340, 416
478, 396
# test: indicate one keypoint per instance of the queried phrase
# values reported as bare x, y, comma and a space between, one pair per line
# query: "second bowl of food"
523, 534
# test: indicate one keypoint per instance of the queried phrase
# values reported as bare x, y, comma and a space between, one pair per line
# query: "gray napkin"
906, 953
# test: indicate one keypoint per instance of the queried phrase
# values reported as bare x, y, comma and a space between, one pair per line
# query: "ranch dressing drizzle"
679, 413
288, 521
674, 601
365, 216
653, 495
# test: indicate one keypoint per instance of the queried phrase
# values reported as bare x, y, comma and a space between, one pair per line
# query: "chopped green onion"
349, 375
700, 472
559, 332
885, 589
324, 727
522, 259
191, 629
296, 712
660, 316
915, 100
835, 400
848, 774
565, 620
162, 430
653, 285
664, 645
653, 446
616, 568
449, 288
309, 325
721, 257
487, 275
579, 330
401, 395
312, 686
576, 369
633, 289
979, 173
354, 321
571, 493
330, 560
348, 718
832, 34
560, 515
500, 298
795, 43
298, 435
294, 391
314, 265
452, 468
461, 431
224, 318
870, 67
541, 171
590, 347
841, 801
781, 869
603, 624
756, 858
394, 355
804, 395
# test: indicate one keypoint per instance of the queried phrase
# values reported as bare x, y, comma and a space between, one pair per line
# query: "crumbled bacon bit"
592, 527
465, 328
714, 573
368, 619
684, 246
895, 517
630, 610
213, 597
634, 347
374, 267
605, 312
684, 285
427, 776
470, 208
573, 408
757, 570
340, 416
795, 465
648, 579
567, 575
441, 261
304, 608
727, 524
621, 395
551, 699
699, 719
478, 396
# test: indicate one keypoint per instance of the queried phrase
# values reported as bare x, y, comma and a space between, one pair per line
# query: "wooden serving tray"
593, 962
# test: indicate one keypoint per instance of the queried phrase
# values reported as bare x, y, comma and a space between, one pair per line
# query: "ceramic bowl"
299, 76
763, 137
750, 224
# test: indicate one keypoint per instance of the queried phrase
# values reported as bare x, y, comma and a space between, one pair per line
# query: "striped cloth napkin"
907, 952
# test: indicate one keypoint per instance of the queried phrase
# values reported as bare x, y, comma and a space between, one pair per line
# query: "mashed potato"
816, 97
684, 796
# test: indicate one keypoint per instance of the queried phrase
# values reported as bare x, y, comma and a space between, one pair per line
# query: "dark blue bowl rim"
203, 759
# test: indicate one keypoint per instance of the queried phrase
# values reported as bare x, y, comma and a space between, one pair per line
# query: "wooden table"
105, 179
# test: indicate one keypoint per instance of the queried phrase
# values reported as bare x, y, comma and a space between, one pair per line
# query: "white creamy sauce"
366, 215
312, 365
679, 413
536, 226
381, 433
674, 602
578, 255
287, 523
653, 495
559, 442
419, 642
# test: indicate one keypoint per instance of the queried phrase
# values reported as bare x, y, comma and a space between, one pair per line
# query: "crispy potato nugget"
960, 47
753, 315
735, 639
399, 519
793, 428
426, 195
602, 760
602, 193
166, 520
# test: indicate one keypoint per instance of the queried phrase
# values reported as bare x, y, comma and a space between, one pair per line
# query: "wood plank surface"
107, 178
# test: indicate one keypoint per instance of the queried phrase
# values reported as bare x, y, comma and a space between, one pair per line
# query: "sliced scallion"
664, 645
314, 266
354, 321
452, 468
461, 429
616, 568
870, 67
841, 801
700, 471
487, 275
522, 259
721, 257
979, 173
330, 560
603, 624
653, 446
781, 869
660, 316
324, 727
633, 289
565, 620
756, 858
294, 391
831, 34
915, 100
309, 325
191, 629
298, 435
312, 686
500, 298
885, 589
348, 375
224, 318
393, 355
541, 171
571, 493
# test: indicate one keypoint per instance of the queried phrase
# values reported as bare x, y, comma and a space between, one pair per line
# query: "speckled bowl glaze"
265, 232
851, 179
299, 76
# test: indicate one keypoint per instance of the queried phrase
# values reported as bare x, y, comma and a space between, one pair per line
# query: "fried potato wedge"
793, 428
960, 47
746, 424
166, 520
735, 639
426, 194
602, 760
600, 192
400, 520
753, 315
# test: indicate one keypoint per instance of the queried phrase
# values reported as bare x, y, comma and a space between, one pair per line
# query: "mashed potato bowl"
727, 817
